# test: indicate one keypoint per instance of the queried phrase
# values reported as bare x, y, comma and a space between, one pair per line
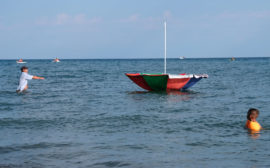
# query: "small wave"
25, 165
135, 147
8, 92
66, 76
8, 149
23, 123
111, 164
11, 166
6, 108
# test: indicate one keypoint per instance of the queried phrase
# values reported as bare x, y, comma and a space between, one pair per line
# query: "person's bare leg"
26, 87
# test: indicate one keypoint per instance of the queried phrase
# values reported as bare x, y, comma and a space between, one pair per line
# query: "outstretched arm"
36, 77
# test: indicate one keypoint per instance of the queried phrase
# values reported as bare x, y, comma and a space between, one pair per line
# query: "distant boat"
20, 61
164, 81
182, 57
56, 60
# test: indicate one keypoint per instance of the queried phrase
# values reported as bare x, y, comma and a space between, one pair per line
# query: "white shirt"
23, 81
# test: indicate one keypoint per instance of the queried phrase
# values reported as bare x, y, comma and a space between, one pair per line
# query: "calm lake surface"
87, 113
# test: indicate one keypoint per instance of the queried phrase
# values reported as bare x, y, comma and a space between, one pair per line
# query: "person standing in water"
23, 79
252, 123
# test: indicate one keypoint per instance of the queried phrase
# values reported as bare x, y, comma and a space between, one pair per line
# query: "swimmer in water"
23, 79
251, 123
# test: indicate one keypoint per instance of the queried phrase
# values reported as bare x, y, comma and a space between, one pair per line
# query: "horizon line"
133, 58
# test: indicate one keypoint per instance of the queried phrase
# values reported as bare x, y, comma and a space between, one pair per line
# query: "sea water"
87, 113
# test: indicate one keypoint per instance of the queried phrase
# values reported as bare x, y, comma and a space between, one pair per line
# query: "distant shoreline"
135, 58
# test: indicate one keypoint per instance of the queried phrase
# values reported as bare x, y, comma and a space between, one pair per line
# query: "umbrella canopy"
162, 82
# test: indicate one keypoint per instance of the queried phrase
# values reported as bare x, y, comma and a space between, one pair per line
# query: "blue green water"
87, 113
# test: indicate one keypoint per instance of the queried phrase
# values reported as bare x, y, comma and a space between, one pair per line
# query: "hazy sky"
133, 28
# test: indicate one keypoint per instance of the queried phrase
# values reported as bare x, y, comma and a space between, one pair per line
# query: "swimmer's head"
252, 114
24, 69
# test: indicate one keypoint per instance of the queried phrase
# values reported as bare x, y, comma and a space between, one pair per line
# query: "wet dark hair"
23, 68
250, 111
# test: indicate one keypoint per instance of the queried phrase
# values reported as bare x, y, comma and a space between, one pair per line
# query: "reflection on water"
139, 92
169, 95
178, 96
254, 134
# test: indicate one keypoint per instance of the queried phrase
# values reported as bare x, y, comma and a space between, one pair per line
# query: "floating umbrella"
164, 81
